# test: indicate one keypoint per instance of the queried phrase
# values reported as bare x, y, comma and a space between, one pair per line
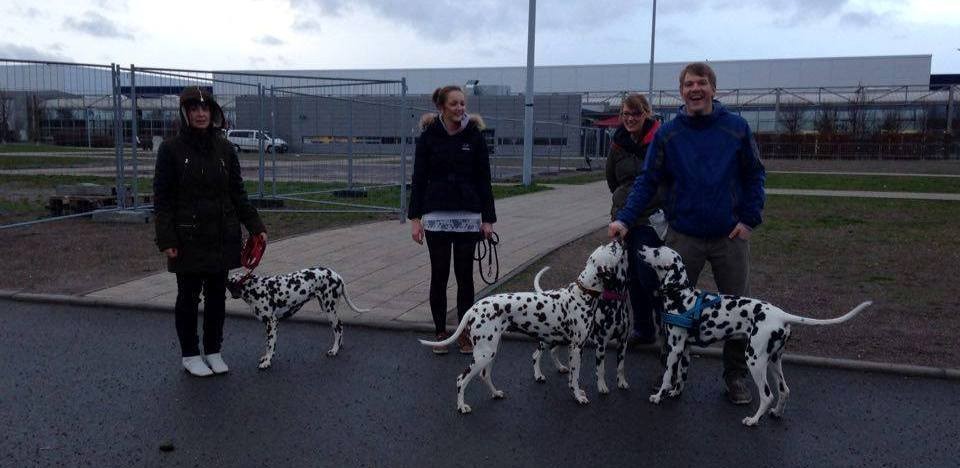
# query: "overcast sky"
350, 34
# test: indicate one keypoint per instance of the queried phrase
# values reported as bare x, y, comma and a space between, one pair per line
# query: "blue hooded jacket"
712, 171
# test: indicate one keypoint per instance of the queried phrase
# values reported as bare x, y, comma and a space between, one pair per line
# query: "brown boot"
466, 347
441, 349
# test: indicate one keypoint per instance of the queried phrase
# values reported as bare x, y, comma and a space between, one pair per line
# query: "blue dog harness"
691, 318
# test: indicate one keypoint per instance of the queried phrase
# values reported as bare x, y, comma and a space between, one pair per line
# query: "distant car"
249, 140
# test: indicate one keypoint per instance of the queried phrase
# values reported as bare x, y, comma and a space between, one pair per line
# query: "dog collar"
689, 319
590, 292
611, 295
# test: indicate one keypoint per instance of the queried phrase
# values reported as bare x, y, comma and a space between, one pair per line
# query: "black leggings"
439, 244
189, 286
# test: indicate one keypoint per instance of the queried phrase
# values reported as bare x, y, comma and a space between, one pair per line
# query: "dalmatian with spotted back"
766, 326
610, 322
274, 298
557, 317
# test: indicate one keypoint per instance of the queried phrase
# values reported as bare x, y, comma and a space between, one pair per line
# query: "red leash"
250, 255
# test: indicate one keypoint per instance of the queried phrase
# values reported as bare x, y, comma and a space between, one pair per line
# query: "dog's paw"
498, 395
674, 393
622, 384
750, 421
332, 352
539, 378
264, 365
602, 388
581, 397
563, 369
655, 398
776, 413
464, 408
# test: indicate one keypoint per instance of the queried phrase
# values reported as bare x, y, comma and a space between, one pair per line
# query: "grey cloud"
861, 20
97, 25
256, 61
16, 51
29, 12
453, 19
308, 25
268, 40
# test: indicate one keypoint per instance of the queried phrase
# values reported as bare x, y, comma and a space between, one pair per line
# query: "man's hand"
416, 231
171, 252
617, 229
742, 231
263, 236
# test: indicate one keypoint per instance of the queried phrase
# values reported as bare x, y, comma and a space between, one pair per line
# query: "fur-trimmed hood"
429, 118
197, 94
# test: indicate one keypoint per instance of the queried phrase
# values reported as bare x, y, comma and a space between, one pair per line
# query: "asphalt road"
103, 387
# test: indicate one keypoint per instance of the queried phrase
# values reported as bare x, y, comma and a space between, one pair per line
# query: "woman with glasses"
624, 164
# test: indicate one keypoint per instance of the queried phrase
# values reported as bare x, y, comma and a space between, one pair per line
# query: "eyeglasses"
635, 115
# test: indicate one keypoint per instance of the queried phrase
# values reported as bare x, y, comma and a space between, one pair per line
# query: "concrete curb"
811, 361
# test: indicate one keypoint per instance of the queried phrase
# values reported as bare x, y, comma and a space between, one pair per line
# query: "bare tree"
826, 121
792, 120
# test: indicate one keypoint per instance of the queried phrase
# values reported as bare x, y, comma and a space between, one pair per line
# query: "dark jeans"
440, 245
643, 282
730, 262
189, 286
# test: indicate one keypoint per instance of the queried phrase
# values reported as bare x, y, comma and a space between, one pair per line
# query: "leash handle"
487, 248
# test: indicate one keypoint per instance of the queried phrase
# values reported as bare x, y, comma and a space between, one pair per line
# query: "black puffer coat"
199, 199
451, 172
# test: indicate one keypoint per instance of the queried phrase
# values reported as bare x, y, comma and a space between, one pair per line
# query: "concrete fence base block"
122, 216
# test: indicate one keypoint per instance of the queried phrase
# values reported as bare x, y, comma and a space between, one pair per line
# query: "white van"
249, 140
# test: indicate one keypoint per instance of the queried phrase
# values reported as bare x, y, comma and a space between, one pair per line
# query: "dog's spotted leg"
485, 375
555, 354
674, 346
267, 357
337, 327
680, 377
601, 369
758, 370
480, 361
776, 361
621, 355
537, 374
575, 356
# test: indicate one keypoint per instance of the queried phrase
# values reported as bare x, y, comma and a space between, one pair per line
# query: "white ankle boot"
196, 367
215, 361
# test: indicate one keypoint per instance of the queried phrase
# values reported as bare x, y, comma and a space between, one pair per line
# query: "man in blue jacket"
708, 161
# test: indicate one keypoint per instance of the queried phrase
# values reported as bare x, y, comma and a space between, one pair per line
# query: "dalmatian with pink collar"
556, 317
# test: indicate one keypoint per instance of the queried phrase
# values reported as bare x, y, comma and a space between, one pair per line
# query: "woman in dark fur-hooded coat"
451, 202
200, 203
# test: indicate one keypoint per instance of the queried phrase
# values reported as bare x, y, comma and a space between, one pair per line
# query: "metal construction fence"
854, 122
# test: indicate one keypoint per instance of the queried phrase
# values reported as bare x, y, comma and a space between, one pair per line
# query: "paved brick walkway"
388, 273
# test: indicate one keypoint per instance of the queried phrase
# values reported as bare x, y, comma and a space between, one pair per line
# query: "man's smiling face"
697, 93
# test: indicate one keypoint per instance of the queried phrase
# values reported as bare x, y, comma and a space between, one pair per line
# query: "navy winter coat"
712, 171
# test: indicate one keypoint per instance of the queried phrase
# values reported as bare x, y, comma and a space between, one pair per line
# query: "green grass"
864, 183
39, 162
44, 148
575, 178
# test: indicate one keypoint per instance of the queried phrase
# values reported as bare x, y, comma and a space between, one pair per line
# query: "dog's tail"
463, 324
349, 302
843, 318
536, 280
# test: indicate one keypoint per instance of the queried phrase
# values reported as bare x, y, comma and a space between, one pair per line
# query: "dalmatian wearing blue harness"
692, 316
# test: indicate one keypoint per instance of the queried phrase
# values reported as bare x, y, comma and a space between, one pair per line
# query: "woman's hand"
486, 230
416, 231
263, 236
171, 252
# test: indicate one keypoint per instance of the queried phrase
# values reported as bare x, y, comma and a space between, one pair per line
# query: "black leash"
487, 248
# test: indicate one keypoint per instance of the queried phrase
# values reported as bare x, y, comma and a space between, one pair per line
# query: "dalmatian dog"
274, 298
610, 322
557, 317
725, 316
